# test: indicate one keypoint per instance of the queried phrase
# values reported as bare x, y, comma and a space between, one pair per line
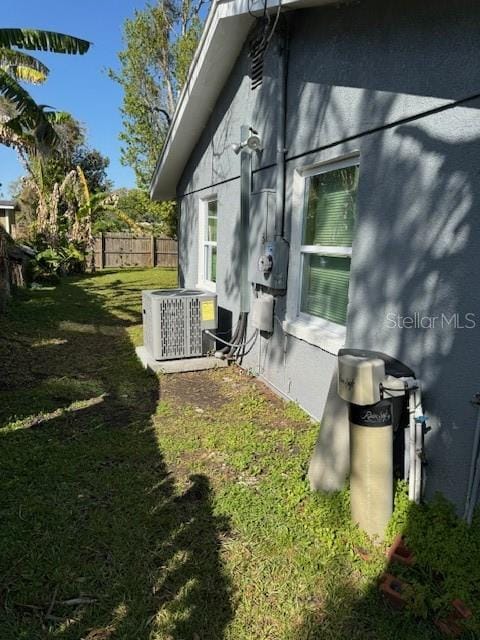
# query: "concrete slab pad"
178, 366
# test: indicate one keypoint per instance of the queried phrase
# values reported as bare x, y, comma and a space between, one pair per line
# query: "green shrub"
447, 553
50, 264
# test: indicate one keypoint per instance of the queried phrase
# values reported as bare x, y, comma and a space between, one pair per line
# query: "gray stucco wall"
351, 69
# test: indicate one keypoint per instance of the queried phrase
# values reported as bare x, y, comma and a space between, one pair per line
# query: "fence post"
152, 249
102, 251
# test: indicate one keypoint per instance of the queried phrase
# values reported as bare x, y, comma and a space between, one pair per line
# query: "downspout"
282, 49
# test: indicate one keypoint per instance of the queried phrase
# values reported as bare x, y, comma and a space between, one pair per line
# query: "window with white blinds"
329, 215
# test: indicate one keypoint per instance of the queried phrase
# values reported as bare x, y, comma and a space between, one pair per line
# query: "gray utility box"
174, 321
261, 314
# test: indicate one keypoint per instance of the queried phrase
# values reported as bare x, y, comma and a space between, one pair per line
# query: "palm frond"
28, 74
29, 116
22, 66
39, 40
11, 135
24, 104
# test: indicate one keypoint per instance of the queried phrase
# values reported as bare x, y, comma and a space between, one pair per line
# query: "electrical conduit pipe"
474, 476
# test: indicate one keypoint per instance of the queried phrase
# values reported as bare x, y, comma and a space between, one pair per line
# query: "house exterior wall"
354, 69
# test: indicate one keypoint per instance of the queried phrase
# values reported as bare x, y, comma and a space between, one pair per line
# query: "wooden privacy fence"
128, 250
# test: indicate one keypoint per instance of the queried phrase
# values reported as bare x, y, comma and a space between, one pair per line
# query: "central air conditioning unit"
174, 321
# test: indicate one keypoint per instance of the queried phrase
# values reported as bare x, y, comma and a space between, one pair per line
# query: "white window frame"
203, 283
320, 332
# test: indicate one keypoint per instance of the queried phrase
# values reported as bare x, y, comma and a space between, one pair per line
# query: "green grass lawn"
174, 508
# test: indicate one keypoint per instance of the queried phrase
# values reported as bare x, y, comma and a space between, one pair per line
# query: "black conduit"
355, 136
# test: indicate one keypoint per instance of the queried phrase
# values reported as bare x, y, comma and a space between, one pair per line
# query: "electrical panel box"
174, 321
272, 264
261, 314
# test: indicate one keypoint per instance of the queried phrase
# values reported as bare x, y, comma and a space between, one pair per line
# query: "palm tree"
17, 66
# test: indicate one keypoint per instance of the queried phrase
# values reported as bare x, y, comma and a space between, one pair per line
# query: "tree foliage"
64, 223
72, 151
51, 193
159, 45
159, 216
94, 166
134, 211
16, 66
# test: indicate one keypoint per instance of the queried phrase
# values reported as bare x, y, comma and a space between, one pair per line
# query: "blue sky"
77, 84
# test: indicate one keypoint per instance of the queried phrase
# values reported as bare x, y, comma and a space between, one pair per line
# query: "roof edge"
217, 51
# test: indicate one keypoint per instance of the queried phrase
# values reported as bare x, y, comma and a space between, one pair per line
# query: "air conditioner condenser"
174, 321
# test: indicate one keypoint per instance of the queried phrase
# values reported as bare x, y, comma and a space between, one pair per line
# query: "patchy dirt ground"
213, 389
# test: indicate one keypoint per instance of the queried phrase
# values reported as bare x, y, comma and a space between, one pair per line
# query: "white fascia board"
222, 39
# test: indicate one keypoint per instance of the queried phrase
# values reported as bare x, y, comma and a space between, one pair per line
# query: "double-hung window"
324, 233
208, 243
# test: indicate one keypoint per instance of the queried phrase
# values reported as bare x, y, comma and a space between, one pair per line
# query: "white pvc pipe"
406, 455
412, 445
417, 394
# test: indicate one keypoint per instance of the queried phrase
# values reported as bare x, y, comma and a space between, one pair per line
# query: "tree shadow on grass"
96, 540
